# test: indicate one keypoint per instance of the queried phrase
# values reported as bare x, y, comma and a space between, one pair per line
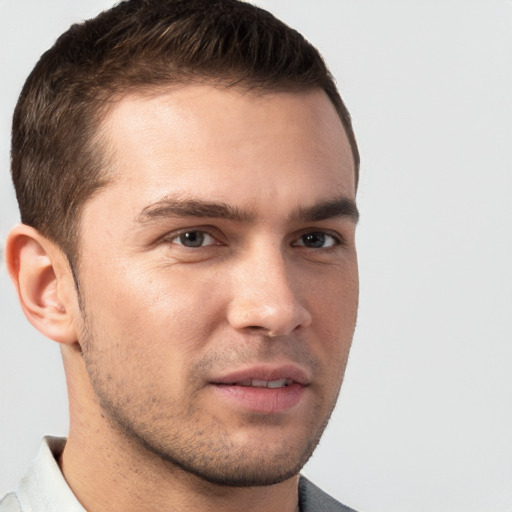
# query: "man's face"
218, 278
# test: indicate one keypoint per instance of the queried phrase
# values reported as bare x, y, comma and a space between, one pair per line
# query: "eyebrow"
171, 206
329, 209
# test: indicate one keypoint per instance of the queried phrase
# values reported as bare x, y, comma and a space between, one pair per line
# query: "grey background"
424, 422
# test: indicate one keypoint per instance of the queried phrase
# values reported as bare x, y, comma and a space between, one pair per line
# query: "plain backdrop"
424, 422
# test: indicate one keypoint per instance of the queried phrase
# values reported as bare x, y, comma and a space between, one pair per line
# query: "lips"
265, 376
262, 389
257, 383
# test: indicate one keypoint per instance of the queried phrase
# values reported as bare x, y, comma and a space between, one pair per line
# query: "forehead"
203, 140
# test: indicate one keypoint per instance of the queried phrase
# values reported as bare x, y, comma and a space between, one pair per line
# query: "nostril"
262, 331
258, 329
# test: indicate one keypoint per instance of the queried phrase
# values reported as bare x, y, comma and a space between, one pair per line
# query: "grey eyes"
316, 240
312, 240
194, 239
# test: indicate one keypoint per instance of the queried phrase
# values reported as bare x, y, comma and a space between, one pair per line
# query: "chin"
247, 473
252, 463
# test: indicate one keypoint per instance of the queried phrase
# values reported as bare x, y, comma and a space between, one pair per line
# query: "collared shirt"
44, 488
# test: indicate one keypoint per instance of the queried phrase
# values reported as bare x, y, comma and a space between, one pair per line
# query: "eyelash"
189, 232
336, 240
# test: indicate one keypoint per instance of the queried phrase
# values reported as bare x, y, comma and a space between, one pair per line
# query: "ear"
43, 279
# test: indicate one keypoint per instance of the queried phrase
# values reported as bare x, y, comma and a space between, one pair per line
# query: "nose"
265, 297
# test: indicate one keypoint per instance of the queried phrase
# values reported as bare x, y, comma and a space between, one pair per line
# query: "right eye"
194, 239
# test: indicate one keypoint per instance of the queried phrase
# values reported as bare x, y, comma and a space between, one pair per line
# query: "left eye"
316, 240
194, 239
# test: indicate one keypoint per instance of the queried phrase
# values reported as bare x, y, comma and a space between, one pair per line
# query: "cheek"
333, 297
161, 317
334, 307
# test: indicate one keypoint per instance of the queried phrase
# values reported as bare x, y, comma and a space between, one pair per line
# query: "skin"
261, 284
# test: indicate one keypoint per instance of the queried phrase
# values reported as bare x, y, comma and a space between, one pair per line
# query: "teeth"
273, 384
277, 383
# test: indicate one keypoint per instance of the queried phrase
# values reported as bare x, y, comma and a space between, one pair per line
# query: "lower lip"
263, 400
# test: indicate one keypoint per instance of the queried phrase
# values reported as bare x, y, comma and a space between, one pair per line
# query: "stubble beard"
208, 452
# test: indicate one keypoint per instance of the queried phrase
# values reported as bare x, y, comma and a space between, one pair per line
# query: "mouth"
264, 376
262, 389
258, 383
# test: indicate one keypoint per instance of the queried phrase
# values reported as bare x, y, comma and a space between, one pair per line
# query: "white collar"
44, 488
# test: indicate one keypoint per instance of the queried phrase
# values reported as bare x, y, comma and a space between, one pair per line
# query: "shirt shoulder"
43, 488
9, 503
313, 499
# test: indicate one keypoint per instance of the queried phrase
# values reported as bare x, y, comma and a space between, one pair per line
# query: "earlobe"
40, 272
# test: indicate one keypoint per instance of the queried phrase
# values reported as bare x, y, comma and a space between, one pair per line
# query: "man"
186, 175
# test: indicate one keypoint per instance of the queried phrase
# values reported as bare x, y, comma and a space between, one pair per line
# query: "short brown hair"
140, 45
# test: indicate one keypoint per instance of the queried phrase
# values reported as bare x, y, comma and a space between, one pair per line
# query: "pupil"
192, 239
314, 239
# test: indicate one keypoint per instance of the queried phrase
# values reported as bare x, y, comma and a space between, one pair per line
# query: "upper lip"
264, 373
